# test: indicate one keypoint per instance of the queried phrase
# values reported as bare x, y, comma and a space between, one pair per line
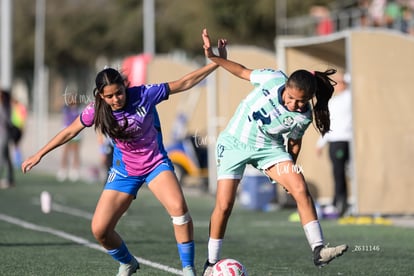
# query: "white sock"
313, 232
214, 249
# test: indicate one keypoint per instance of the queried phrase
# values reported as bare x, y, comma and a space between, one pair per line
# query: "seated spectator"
324, 24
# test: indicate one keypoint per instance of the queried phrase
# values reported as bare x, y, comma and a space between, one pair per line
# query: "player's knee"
299, 192
225, 207
99, 232
181, 220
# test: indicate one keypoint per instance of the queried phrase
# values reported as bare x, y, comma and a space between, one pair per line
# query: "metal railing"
340, 19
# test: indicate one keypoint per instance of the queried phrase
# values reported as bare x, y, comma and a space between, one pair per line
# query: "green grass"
265, 242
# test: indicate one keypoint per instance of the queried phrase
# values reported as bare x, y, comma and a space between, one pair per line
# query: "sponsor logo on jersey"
141, 111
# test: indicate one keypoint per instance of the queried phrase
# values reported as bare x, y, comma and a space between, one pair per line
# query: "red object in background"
325, 26
135, 69
322, 15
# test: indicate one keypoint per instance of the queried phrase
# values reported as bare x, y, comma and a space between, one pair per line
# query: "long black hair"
316, 84
104, 120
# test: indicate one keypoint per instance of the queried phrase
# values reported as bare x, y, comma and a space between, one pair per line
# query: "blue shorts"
131, 184
232, 156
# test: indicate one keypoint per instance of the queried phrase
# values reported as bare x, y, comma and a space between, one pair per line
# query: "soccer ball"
229, 267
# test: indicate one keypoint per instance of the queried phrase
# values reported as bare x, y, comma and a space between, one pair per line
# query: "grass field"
60, 243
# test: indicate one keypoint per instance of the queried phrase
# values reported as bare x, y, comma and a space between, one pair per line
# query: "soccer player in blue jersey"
128, 116
266, 132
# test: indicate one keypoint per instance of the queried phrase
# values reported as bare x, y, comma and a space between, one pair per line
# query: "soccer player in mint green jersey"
266, 132
129, 117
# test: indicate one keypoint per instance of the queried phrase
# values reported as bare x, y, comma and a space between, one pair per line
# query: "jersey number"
220, 150
262, 116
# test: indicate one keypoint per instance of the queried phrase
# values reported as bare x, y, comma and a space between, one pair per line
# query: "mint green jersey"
261, 120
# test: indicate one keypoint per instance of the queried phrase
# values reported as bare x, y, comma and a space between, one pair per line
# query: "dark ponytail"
324, 90
104, 120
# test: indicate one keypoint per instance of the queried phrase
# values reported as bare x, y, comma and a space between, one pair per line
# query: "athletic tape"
181, 220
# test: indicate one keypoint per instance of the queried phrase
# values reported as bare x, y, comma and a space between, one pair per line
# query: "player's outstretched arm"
233, 67
190, 80
62, 137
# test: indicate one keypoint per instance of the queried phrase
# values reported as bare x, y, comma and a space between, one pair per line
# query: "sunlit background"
52, 49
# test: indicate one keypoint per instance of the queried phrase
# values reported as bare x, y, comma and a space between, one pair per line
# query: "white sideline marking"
71, 211
56, 207
80, 241
66, 210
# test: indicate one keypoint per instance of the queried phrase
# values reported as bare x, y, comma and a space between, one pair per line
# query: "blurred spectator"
363, 6
18, 120
338, 139
3, 139
179, 129
324, 23
71, 150
376, 12
409, 19
5, 126
393, 15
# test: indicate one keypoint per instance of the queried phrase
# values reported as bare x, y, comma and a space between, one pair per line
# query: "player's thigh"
168, 191
288, 175
231, 157
110, 207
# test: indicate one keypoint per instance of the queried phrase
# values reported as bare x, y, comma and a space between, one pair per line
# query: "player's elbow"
244, 73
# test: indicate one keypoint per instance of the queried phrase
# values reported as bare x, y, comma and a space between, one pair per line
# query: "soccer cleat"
322, 255
189, 271
208, 269
129, 268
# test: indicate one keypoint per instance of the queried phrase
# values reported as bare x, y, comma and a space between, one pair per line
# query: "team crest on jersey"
141, 111
288, 121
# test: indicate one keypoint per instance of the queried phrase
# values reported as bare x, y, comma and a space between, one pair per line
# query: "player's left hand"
222, 43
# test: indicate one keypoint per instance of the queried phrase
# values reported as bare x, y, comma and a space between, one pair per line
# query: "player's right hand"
29, 163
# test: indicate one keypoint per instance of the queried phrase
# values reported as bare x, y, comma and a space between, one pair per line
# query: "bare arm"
294, 147
61, 138
233, 67
193, 78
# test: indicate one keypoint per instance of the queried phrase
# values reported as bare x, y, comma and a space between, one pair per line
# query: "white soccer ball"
229, 267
